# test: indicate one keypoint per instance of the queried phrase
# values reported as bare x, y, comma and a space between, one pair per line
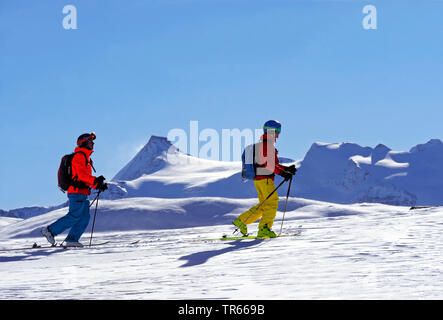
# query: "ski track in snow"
386, 254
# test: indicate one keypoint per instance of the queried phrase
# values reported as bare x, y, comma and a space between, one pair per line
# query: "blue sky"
134, 69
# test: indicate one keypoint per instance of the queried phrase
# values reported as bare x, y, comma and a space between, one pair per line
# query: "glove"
286, 175
99, 181
103, 187
291, 169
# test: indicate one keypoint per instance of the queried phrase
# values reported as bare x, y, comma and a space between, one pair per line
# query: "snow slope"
8, 220
28, 212
358, 251
145, 213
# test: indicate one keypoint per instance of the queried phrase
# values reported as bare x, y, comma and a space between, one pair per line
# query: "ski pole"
95, 213
286, 203
90, 205
261, 203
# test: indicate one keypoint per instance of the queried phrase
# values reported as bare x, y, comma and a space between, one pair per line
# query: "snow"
391, 164
359, 239
173, 174
349, 173
358, 251
333, 172
8, 220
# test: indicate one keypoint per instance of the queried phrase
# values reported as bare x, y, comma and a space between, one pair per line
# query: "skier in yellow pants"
267, 166
268, 210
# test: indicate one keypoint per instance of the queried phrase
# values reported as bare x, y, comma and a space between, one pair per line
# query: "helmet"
272, 125
85, 137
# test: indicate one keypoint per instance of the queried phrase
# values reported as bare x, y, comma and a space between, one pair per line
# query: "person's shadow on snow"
201, 257
30, 255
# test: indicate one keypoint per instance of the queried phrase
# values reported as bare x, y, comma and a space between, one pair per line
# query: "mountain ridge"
334, 172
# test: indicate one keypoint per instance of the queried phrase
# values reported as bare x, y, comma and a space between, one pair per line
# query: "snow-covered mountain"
333, 172
161, 170
29, 212
349, 173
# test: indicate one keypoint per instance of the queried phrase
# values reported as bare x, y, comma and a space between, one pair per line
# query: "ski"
36, 246
33, 247
86, 246
239, 238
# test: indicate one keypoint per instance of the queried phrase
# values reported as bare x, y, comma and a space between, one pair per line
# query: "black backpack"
64, 175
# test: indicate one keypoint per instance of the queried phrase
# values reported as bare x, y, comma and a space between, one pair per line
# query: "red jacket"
267, 159
82, 171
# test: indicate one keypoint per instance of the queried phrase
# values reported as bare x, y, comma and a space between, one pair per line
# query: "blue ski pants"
77, 218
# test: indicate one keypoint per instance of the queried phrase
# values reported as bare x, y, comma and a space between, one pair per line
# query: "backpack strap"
80, 184
86, 160
84, 154
258, 165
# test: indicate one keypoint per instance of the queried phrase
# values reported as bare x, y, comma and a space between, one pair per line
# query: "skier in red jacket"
78, 216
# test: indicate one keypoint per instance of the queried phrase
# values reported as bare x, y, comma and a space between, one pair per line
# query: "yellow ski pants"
268, 210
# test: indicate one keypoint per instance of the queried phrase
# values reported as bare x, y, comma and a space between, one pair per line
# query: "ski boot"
241, 226
265, 232
72, 244
48, 235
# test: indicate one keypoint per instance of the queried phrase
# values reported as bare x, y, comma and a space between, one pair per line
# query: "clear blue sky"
135, 68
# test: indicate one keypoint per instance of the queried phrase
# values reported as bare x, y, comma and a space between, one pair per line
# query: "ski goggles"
277, 130
91, 137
